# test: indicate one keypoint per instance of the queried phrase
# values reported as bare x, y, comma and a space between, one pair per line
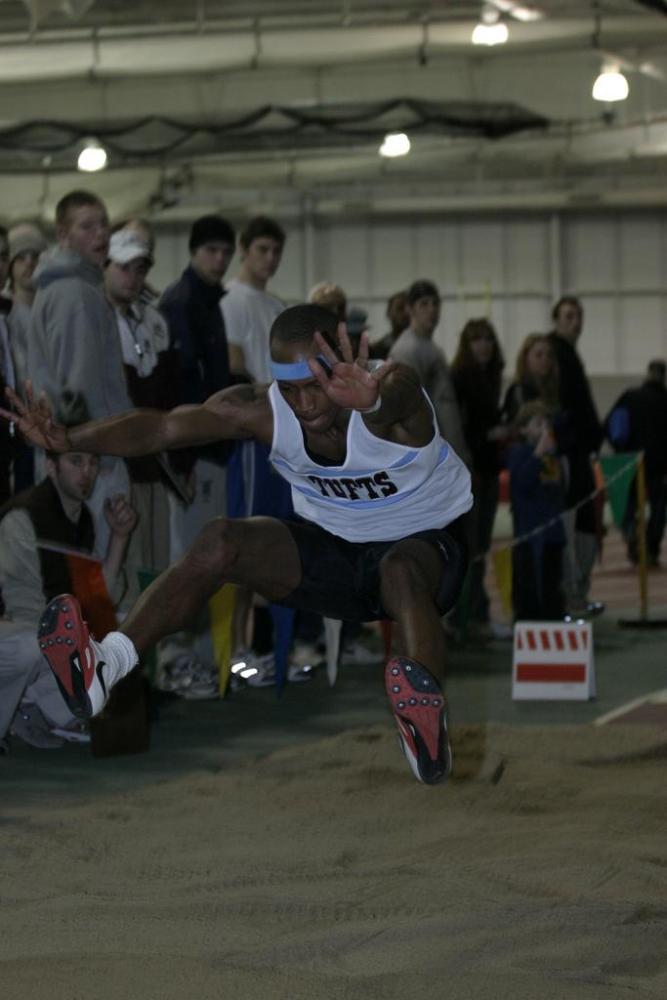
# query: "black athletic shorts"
341, 579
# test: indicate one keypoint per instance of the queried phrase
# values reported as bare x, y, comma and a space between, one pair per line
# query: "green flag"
620, 469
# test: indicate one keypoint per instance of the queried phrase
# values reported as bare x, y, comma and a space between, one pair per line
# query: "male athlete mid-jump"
379, 496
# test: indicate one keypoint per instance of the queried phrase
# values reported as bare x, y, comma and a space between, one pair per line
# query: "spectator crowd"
81, 323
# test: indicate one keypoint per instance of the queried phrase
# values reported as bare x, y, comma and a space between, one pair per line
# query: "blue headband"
296, 370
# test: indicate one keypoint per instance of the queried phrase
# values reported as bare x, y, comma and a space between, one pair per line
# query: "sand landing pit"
325, 871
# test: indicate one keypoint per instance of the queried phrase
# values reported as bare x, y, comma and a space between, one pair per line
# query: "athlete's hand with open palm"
350, 385
34, 420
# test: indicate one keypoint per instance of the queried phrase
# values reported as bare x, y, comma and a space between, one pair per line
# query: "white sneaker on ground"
359, 654
202, 683
260, 671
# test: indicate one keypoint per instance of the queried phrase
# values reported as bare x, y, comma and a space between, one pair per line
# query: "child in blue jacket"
537, 491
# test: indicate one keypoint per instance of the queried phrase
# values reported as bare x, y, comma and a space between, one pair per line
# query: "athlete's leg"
258, 552
411, 574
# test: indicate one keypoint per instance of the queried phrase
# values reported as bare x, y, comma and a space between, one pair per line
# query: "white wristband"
374, 408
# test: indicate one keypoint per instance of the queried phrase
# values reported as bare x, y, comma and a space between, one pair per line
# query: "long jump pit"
324, 870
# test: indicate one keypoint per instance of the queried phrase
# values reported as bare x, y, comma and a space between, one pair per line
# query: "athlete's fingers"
345, 343
43, 404
15, 401
362, 353
318, 372
381, 373
29, 392
8, 415
326, 350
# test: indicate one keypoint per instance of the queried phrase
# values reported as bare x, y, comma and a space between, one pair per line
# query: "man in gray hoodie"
73, 341
415, 348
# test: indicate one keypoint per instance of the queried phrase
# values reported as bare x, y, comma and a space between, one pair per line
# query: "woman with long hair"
477, 374
536, 377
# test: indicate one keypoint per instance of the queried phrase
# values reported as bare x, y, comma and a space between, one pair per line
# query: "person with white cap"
73, 340
152, 381
26, 244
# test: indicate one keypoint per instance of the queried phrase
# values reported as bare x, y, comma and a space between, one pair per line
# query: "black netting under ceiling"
40, 144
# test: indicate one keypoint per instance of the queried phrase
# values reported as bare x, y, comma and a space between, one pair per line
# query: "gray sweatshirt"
73, 340
429, 362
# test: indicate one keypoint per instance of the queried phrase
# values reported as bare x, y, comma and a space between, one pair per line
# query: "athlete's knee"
215, 549
401, 576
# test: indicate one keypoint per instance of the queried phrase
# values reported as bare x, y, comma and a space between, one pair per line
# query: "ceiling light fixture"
92, 157
610, 85
490, 30
395, 144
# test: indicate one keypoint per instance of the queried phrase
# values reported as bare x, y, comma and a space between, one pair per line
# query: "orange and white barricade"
553, 661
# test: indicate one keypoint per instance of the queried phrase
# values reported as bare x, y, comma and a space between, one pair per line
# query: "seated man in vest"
53, 512
380, 497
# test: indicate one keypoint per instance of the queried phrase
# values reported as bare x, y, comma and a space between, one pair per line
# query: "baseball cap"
126, 245
25, 238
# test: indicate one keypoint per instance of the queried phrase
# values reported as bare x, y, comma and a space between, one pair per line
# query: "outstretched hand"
34, 420
350, 385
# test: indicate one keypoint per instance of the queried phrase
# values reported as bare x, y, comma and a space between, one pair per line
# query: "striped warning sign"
553, 660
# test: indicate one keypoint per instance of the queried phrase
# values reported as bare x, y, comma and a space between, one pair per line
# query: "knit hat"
211, 229
24, 238
126, 245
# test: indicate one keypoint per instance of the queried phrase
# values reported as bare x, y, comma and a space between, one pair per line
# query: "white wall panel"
482, 255
436, 254
641, 319
641, 264
590, 253
527, 255
289, 279
599, 343
392, 249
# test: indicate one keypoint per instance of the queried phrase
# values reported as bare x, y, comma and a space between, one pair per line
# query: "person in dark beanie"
191, 306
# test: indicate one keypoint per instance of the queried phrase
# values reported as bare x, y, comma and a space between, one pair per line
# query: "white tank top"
381, 492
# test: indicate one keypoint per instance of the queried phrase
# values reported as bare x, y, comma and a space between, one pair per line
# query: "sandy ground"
325, 871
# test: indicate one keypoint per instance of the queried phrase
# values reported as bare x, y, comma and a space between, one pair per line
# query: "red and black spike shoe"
74, 658
420, 710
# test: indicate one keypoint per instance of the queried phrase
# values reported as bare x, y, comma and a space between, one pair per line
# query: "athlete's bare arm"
239, 412
403, 414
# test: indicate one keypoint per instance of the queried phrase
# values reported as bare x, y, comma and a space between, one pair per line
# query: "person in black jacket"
578, 407
476, 373
191, 306
638, 422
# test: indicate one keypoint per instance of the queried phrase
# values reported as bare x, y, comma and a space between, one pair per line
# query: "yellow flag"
502, 564
221, 610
